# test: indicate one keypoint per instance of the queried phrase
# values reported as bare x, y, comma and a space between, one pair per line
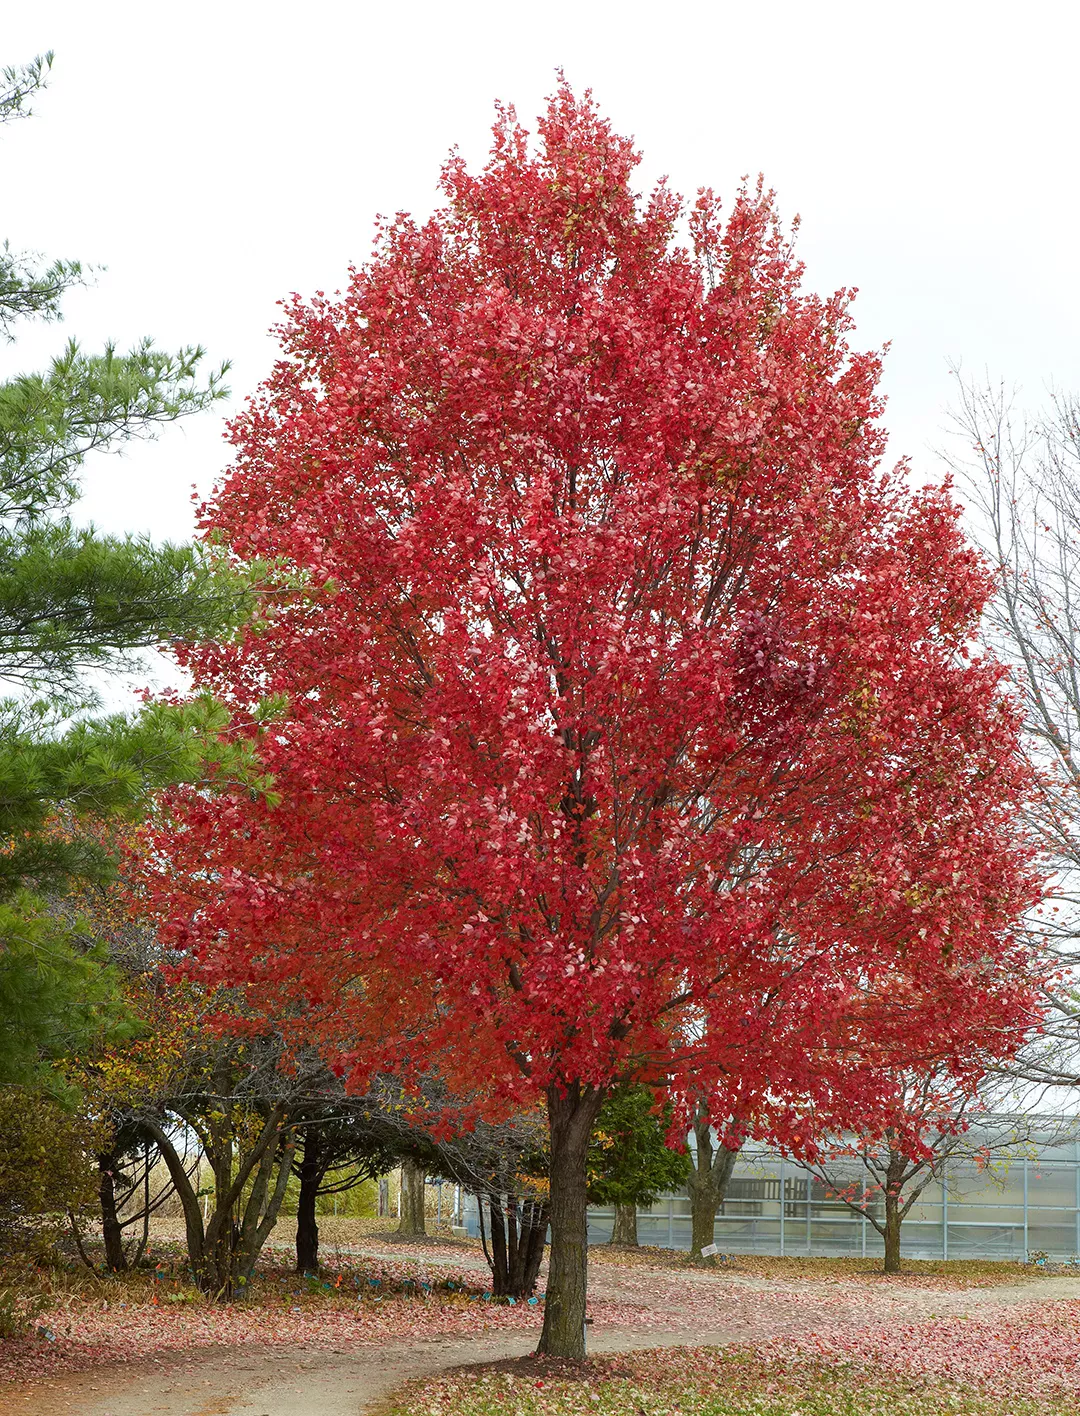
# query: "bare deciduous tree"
1021, 477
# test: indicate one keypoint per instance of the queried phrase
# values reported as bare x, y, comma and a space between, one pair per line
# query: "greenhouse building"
1024, 1203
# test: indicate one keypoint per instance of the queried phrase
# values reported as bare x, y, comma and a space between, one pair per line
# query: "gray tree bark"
411, 1224
707, 1184
624, 1230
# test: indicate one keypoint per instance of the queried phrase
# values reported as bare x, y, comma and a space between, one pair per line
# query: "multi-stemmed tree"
629, 726
501, 1163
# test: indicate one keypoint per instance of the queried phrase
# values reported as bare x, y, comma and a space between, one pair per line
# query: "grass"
704, 1382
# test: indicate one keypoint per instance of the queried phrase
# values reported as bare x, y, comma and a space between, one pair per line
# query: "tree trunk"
260, 1213
500, 1269
892, 1233
217, 1277
532, 1237
411, 1223
571, 1114
518, 1235
624, 1230
707, 1184
307, 1229
511, 1236
384, 1197
111, 1232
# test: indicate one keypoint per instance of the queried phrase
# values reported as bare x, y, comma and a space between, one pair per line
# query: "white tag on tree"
708, 1251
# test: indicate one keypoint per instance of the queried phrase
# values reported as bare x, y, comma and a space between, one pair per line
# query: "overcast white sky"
217, 156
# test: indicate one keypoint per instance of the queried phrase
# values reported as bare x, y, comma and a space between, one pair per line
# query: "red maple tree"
631, 728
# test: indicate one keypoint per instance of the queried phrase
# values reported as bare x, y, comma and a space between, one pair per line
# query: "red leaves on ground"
903, 1327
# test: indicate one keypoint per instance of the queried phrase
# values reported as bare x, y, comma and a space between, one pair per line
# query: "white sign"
708, 1251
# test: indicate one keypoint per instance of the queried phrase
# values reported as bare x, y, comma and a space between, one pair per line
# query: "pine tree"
72, 599
629, 1161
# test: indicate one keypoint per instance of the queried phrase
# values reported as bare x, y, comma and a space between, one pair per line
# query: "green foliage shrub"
47, 1167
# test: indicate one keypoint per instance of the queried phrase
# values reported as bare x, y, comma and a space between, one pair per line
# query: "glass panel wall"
1018, 1203
1015, 1205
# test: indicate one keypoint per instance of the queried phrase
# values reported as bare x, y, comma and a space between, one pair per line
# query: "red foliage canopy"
631, 723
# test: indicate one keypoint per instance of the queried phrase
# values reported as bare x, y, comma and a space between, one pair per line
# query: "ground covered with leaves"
924, 1273
798, 1336
739, 1382
85, 1322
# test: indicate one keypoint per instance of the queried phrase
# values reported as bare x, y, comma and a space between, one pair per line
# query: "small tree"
503, 1164
1022, 479
130, 1191
630, 1162
711, 1165
338, 1152
882, 1177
